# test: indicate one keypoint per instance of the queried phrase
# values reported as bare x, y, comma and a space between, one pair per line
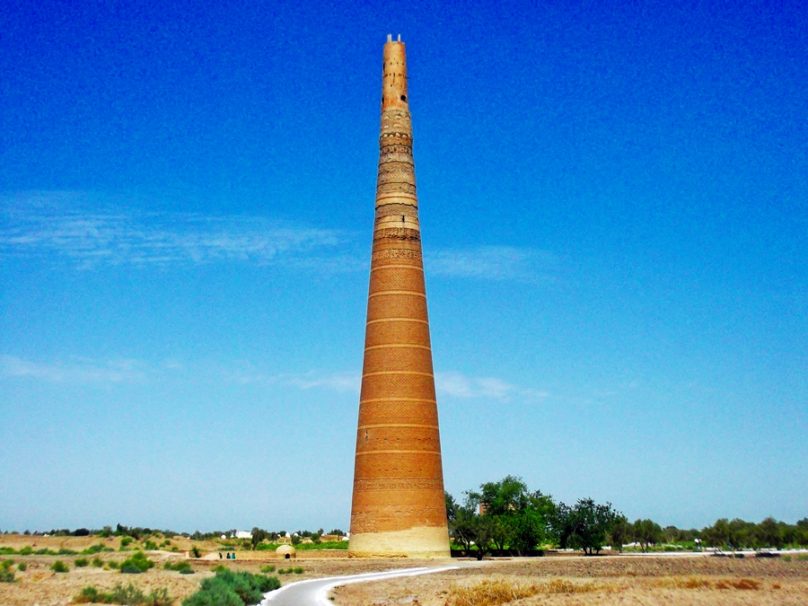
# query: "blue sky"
614, 204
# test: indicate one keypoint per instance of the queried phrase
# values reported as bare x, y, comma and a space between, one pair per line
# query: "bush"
81, 562
65, 551
195, 552
113, 564
150, 546
230, 588
59, 566
22, 566
267, 569
97, 548
97, 562
181, 567
129, 596
136, 563
125, 541
27, 550
6, 574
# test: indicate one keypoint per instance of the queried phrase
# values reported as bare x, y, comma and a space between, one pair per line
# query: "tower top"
394, 74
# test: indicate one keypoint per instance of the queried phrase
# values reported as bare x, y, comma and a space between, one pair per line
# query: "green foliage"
59, 566
137, 563
125, 542
114, 564
6, 574
128, 595
97, 548
9, 551
81, 562
230, 588
316, 546
65, 551
586, 525
195, 552
267, 569
150, 545
646, 532
97, 562
181, 567
22, 566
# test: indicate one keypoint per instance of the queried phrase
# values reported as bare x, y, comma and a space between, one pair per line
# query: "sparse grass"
697, 582
59, 566
97, 562
489, 593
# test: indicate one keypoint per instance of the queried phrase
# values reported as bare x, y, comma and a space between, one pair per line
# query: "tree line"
506, 517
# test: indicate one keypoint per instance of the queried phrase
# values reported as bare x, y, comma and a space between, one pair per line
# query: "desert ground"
562, 580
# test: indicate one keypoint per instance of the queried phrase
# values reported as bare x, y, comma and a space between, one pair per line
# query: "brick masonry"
398, 505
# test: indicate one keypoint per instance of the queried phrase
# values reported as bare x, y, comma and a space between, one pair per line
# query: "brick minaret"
398, 504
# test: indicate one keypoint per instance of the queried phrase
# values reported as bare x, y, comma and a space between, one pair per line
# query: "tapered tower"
398, 503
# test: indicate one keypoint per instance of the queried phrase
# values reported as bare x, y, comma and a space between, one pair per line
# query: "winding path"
314, 592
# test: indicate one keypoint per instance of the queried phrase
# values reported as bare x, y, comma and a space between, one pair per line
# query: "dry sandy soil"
602, 580
552, 580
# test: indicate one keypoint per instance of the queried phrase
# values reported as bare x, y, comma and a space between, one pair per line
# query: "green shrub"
195, 552
297, 570
128, 595
22, 566
65, 551
136, 563
59, 566
6, 574
230, 588
150, 546
181, 567
125, 541
267, 569
97, 562
9, 551
81, 562
27, 550
97, 548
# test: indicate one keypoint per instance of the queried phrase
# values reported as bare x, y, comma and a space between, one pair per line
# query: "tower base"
419, 542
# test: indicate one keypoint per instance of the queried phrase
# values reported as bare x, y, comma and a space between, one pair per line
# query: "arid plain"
557, 579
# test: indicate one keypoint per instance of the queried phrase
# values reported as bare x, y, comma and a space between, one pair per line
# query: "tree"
258, 535
620, 533
587, 524
769, 533
646, 532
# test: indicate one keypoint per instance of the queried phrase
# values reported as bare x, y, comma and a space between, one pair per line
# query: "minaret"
398, 503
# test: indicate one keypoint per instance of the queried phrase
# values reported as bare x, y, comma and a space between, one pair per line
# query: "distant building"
243, 534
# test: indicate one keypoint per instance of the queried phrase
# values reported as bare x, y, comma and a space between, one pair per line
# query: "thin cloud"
493, 263
341, 382
39, 224
81, 371
458, 385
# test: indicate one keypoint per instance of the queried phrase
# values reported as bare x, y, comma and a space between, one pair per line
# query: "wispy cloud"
65, 224
93, 372
459, 385
493, 263
76, 371
341, 382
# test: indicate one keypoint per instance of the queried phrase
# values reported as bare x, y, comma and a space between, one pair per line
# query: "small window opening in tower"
402, 219
403, 97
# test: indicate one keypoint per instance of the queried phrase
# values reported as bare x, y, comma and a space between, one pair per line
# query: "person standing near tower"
398, 506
